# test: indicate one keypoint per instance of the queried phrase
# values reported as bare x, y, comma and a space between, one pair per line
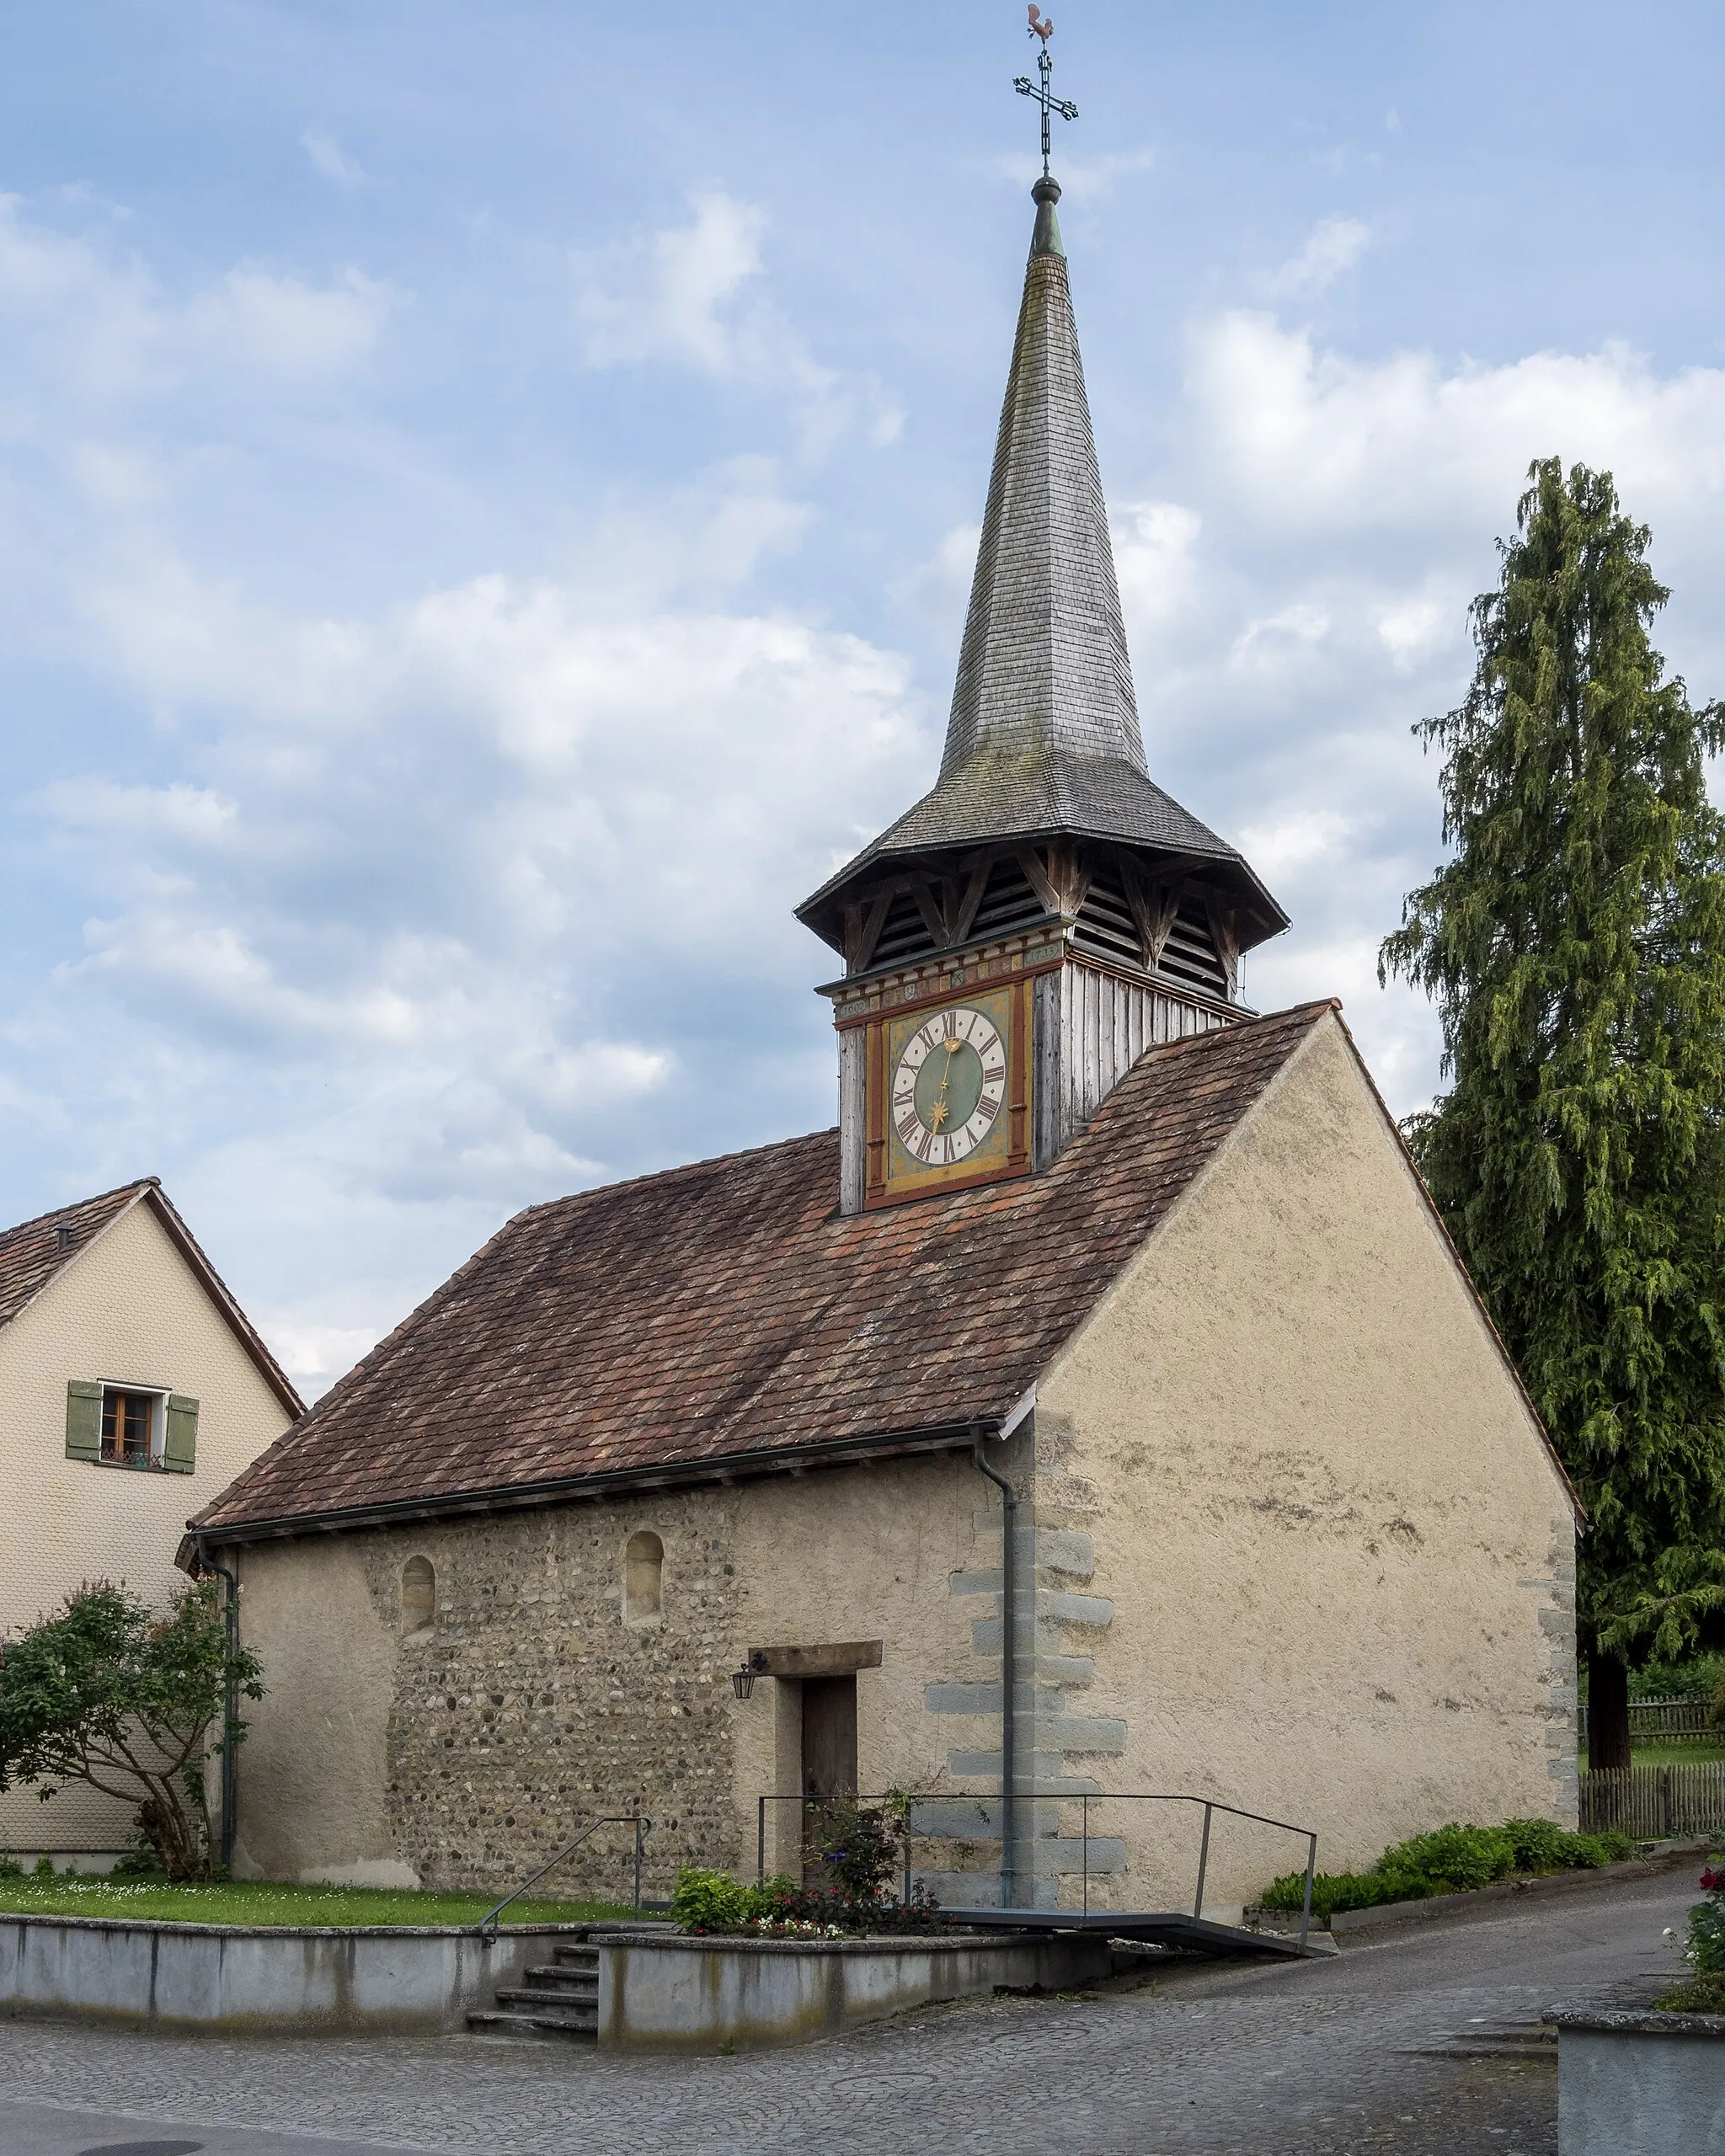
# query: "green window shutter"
84, 1420
179, 1453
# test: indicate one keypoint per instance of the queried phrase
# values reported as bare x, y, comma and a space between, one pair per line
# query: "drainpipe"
230, 1705
1009, 1655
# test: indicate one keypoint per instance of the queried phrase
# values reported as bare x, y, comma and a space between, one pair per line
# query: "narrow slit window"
644, 1578
418, 1594
128, 1427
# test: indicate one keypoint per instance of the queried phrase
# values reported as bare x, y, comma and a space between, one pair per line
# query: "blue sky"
486, 505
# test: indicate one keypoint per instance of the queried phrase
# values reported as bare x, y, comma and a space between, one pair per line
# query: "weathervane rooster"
1042, 29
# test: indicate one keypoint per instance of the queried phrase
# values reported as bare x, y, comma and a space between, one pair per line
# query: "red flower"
1713, 1878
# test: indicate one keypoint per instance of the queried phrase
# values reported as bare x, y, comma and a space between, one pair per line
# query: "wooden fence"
1668, 1721
1655, 1804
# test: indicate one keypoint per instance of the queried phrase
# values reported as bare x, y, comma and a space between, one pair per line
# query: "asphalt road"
1409, 2045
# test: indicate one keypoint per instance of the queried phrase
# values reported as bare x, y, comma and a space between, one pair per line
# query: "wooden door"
829, 1758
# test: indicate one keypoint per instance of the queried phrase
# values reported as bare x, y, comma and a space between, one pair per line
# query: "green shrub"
1542, 1845
1333, 1890
769, 1897
1450, 1860
10, 1868
1456, 1857
1704, 1995
708, 1901
1700, 1678
1706, 1950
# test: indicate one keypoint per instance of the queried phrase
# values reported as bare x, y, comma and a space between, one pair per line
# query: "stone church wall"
462, 1751
1329, 1563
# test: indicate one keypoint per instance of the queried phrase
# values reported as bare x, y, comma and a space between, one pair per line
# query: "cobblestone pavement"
1390, 2046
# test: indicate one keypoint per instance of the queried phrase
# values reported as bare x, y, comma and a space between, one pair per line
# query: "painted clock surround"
896, 1169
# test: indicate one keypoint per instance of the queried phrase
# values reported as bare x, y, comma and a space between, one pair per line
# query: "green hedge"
1450, 1861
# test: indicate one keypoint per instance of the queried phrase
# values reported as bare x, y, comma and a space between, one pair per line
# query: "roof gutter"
518, 1496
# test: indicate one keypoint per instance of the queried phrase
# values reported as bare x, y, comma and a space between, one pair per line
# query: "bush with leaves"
1450, 1860
1704, 1952
123, 1698
861, 1845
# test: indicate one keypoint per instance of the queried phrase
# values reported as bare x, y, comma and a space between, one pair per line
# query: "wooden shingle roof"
725, 1317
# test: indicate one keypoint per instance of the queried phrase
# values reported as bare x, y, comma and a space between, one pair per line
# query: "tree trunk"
179, 1847
1607, 1709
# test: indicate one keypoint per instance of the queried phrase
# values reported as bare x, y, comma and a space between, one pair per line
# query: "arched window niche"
643, 1578
418, 1596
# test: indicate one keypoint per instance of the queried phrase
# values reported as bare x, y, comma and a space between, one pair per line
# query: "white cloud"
1155, 559
280, 325
693, 295
1331, 251
1321, 441
84, 324
330, 162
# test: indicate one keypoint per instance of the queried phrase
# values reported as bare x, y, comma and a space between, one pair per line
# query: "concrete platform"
1156, 1927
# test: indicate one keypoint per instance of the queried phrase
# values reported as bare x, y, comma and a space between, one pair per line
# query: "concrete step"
549, 2022
538, 1996
554, 1975
576, 1957
1485, 2039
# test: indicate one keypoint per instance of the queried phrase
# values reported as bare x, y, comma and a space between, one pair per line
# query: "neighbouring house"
1093, 1241
130, 1379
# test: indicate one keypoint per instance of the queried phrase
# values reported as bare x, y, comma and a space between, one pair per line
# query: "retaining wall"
1640, 2084
228, 1980
695, 1994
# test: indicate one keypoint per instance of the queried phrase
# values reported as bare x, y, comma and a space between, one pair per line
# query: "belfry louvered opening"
1189, 955
1108, 928
903, 934
1105, 923
1008, 901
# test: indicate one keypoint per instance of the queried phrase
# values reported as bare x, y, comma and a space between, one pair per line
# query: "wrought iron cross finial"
1042, 29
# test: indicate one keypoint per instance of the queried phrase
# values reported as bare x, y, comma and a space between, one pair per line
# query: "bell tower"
1015, 942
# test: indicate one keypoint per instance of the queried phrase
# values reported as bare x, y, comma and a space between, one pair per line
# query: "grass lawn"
265, 1902
1675, 1755
1671, 1755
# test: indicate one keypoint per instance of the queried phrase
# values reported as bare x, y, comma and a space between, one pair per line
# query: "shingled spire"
1042, 671
1044, 739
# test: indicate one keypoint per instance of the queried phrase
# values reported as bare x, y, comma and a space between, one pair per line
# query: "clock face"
948, 1086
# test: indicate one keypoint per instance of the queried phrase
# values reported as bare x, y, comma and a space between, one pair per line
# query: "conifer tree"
1575, 947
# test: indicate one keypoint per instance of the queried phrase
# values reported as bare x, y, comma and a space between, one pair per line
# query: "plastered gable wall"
1333, 1559
464, 1752
126, 1307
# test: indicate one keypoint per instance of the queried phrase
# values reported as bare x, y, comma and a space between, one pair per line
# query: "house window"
644, 1577
129, 1427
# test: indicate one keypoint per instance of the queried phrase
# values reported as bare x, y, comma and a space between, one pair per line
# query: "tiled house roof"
35, 1253
726, 1313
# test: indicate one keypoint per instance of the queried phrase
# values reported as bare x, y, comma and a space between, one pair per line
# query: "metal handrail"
1210, 1806
487, 1928
1086, 1798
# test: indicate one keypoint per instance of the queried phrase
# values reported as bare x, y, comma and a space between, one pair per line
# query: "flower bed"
712, 1904
1449, 1861
1704, 1952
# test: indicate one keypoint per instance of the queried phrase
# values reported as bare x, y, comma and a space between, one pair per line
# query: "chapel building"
1100, 1409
